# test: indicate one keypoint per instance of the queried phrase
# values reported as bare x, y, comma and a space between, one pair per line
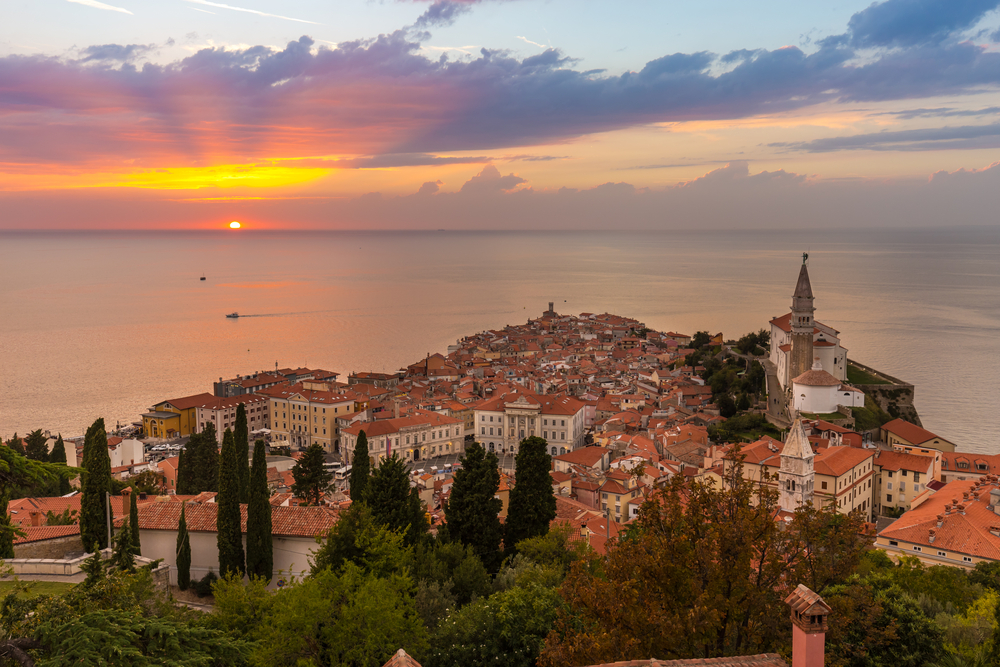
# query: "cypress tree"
34, 446
311, 477
360, 468
473, 510
242, 435
260, 554
125, 551
394, 503
58, 455
208, 460
133, 521
183, 553
16, 444
96, 483
228, 521
184, 468
532, 505
6, 530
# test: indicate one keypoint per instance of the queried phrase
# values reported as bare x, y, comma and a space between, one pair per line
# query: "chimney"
961, 509
940, 518
809, 613
36, 518
995, 531
933, 532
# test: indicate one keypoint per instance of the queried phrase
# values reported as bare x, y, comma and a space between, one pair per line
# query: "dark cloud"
403, 160
490, 180
914, 22
429, 188
968, 136
442, 13
940, 112
116, 52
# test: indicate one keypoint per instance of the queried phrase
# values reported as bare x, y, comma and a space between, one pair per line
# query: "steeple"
796, 476
802, 323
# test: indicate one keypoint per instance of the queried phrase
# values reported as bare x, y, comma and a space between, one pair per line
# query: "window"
888, 498
894, 543
942, 553
889, 486
916, 477
563, 423
823, 485
545, 434
916, 548
890, 474
491, 431
562, 436
604, 496
902, 487
967, 559
491, 417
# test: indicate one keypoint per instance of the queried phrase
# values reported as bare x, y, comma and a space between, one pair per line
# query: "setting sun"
234, 225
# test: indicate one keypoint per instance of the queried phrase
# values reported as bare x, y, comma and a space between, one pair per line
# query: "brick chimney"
809, 614
36, 518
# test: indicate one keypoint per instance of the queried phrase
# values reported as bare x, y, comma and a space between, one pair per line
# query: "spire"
797, 445
803, 289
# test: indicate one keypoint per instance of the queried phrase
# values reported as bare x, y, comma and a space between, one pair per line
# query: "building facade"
502, 423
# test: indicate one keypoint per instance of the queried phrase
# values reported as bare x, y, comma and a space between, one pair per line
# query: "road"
506, 462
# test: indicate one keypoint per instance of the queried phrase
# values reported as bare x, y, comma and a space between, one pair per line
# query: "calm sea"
109, 323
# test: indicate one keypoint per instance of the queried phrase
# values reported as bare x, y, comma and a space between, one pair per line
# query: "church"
798, 341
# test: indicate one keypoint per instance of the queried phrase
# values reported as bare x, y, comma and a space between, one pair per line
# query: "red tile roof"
40, 533
907, 431
587, 456
200, 517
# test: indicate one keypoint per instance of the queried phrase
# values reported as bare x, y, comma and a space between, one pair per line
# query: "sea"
108, 323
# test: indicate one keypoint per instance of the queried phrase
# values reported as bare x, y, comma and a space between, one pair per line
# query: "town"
619, 413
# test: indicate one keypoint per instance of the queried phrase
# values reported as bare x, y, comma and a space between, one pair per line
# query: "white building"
796, 475
293, 529
819, 392
124, 452
419, 435
222, 413
503, 422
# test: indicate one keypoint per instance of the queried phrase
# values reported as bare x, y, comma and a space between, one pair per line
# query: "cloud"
914, 22
442, 13
940, 112
942, 138
100, 5
115, 52
490, 180
219, 5
429, 188
390, 160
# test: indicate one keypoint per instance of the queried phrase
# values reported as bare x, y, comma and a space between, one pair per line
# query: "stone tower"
802, 322
796, 476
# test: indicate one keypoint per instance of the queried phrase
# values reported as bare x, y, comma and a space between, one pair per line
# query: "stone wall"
54, 548
895, 397
67, 570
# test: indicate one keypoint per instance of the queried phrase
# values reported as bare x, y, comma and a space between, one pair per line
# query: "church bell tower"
796, 475
802, 324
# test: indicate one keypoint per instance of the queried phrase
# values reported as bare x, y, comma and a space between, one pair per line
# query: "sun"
234, 225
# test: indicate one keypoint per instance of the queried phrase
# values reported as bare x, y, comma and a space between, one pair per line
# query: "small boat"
203, 276
233, 315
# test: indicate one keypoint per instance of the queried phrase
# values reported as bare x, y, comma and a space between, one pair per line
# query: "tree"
198, 467
454, 567
394, 503
242, 435
16, 444
473, 510
532, 506
357, 540
125, 550
360, 467
58, 453
133, 521
96, 486
228, 518
311, 477
149, 482
183, 553
260, 554
184, 472
8, 531
702, 572
34, 446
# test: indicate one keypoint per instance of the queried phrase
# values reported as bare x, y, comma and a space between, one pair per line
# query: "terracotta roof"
907, 431
588, 456
889, 460
40, 533
966, 531
200, 517
188, 401
806, 602
816, 378
836, 461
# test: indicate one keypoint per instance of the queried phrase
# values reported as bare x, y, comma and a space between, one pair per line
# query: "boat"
203, 276
233, 315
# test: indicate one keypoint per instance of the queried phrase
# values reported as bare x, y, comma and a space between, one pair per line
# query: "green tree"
58, 455
311, 478
360, 467
394, 503
8, 531
229, 520
133, 521
260, 554
125, 549
242, 435
96, 486
185, 474
532, 505
454, 567
149, 482
34, 446
202, 459
183, 553
356, 539
68, 517
473, 509
16, 444
508, 628
351, 617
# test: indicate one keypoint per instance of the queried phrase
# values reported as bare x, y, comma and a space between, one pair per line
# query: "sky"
498, 114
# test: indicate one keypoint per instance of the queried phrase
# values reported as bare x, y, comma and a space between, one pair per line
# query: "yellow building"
901, 433
305, 413
174, 418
